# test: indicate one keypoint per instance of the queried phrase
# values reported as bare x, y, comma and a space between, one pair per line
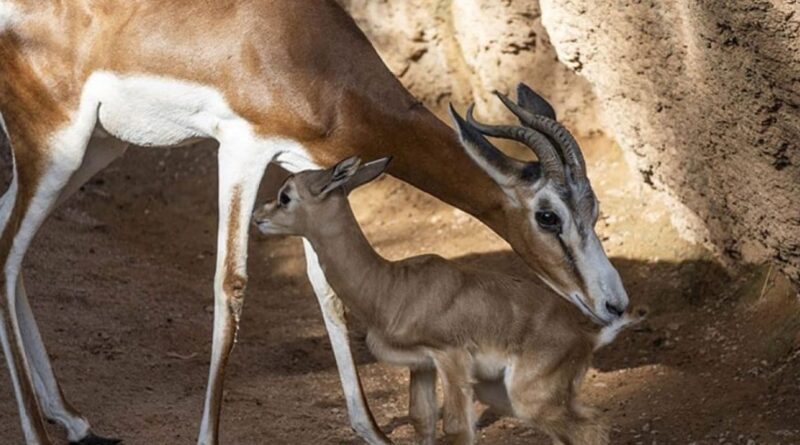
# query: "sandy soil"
120, 280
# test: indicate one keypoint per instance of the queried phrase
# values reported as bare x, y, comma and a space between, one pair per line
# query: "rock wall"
462, 50
703, 97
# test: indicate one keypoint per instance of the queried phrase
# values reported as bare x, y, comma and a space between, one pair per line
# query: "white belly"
154, 111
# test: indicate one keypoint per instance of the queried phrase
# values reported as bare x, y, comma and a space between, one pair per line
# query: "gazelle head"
551, 208
311, 199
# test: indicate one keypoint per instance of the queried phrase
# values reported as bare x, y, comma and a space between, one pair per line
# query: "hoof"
91, 439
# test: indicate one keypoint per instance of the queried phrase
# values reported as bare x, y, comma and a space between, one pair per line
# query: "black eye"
284, 199
548, 220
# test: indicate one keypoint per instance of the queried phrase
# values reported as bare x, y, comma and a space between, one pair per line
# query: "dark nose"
613, 309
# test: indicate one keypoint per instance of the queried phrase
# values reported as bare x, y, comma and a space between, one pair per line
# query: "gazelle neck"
426, 152
447, 172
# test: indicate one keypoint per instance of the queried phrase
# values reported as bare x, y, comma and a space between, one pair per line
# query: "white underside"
153, 111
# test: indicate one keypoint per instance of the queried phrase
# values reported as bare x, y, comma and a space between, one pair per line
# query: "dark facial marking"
531, 172
580, 200
570, 258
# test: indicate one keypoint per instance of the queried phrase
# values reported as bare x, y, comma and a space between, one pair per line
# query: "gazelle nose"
614, 309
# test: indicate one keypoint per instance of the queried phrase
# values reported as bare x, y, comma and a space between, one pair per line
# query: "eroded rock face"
461, 50
704, 97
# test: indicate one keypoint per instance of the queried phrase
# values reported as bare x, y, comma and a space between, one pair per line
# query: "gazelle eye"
548, 220
284, 199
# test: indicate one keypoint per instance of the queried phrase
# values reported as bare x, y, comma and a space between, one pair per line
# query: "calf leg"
422, 404
458, 410
546, 397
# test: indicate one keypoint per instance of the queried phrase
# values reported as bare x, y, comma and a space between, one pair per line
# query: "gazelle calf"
520, 346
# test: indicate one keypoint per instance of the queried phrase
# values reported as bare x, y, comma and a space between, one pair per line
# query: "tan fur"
473, 326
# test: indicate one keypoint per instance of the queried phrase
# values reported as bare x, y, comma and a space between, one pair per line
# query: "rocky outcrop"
704, 97
461, 50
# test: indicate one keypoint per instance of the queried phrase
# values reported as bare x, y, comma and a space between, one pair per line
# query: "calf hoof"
91, 439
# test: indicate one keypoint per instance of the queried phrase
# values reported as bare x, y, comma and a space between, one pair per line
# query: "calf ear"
367, 173
336, 176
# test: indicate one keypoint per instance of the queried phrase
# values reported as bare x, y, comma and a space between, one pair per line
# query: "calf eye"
548, 220
284, 199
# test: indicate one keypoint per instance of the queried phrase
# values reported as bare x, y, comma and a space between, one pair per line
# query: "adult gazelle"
288, 81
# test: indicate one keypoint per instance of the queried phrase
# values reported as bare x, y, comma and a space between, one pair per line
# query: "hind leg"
458, 411
53, 403
422, 404
545, 396
40, 175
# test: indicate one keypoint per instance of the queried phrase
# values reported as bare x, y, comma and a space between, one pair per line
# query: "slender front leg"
422, 404
361, 418
240, 172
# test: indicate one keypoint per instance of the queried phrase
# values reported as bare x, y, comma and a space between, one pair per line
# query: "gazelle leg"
361, 418
39, 179
55, 407
458, 410
47, 388
240, 171
422, 406
546, 398
13, 348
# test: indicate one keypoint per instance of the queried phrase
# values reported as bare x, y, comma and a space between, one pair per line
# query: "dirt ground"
120, 280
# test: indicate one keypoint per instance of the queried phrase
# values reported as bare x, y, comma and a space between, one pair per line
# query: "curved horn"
554, 130
501, 168
548, 157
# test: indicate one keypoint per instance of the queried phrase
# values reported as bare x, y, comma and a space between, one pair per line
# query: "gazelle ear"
367, 173
533, 102
336, 176
504, 170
